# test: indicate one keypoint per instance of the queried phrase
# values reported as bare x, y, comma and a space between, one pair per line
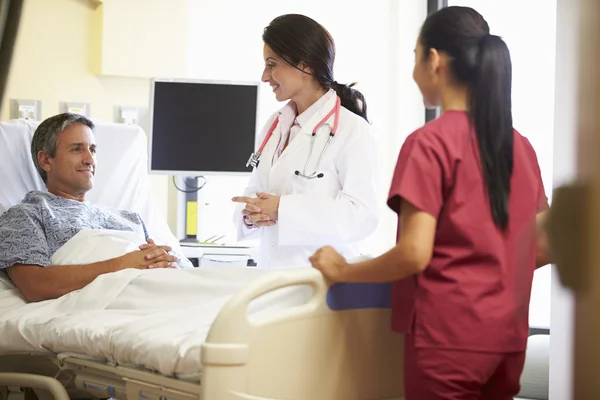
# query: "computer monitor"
202, 127
10, 17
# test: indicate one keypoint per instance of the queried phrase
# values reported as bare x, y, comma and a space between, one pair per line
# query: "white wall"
565, 142
374, 41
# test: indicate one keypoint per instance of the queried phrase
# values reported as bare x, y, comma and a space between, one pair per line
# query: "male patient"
64, 152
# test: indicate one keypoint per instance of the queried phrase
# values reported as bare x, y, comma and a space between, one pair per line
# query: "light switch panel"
25, 109
132, 115
75, 108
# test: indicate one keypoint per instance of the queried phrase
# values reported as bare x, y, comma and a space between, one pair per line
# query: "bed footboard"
306, 352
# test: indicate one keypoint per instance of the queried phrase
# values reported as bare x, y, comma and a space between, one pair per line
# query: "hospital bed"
334, 343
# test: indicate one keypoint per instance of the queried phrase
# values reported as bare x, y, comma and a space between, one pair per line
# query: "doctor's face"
425, 75
285, 80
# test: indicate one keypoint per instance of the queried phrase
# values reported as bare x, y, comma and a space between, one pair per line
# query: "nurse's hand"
331, 264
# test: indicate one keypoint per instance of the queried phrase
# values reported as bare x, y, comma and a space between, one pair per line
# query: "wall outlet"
25, 109
131, 116
75, 108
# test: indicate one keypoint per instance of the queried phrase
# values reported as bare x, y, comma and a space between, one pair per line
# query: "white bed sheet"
154, 319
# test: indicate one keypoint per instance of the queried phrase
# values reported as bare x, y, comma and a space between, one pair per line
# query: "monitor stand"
191, 210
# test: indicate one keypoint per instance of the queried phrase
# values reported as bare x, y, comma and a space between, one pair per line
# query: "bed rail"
308, 351
36, 382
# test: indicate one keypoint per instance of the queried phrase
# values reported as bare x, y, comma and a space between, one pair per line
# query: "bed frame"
321, 350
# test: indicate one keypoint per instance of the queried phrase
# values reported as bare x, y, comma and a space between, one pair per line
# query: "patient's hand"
152, 256
152, 244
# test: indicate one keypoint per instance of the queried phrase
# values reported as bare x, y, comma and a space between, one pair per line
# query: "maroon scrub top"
474, 295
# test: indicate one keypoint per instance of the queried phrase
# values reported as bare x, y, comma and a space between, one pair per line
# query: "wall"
141, 39
375, 43
52, 63
565, 156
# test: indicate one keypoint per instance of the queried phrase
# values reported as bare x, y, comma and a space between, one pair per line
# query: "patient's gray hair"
46, 136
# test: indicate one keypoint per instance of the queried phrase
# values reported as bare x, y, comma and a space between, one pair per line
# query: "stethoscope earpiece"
297, 172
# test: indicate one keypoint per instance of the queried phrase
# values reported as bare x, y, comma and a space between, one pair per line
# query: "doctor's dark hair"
299, 39
481, 62
46, 136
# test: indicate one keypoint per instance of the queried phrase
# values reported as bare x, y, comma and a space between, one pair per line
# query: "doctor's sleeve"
419, 175
243, 231
310, 219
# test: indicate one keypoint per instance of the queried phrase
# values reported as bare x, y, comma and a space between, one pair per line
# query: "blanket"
156, 319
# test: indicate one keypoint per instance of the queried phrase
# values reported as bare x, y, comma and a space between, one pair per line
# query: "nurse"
315, 182
467, 190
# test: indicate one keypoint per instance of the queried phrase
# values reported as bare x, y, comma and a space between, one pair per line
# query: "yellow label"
191, 218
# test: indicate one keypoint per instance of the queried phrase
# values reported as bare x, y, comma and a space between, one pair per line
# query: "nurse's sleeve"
310, 219
542, 204
419, 175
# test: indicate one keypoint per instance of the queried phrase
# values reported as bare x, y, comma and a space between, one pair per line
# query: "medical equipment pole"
10, 16
433, 6
191, 211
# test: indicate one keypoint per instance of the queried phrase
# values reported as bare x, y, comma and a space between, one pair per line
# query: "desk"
211, 255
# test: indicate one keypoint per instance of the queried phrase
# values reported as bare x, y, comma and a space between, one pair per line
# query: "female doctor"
315, 177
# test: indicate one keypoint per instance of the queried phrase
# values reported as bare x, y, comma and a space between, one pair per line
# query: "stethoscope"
255, 157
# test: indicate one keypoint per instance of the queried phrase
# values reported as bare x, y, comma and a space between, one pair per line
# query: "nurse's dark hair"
481, 62
298, 40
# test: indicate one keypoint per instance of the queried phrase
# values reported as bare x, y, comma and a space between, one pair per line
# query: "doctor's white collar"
289, 110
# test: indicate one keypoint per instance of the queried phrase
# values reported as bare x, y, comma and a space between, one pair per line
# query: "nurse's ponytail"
300, 40
491, 117
481, 62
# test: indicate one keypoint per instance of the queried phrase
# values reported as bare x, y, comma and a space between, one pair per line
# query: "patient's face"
72, 169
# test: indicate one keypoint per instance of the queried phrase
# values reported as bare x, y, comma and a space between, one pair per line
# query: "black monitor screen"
203, 127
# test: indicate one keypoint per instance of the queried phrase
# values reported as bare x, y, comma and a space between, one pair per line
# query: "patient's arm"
45, 283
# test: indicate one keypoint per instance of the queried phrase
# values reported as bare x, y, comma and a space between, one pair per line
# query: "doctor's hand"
262, 210
331, 264
258, 220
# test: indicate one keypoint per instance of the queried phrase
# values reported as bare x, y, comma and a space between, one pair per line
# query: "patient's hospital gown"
31, 232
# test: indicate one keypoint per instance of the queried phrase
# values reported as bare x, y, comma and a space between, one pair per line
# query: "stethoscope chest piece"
254, 160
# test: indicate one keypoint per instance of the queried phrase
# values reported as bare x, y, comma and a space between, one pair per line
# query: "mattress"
151, 319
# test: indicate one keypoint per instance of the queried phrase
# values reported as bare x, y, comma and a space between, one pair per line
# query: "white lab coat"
340, 209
